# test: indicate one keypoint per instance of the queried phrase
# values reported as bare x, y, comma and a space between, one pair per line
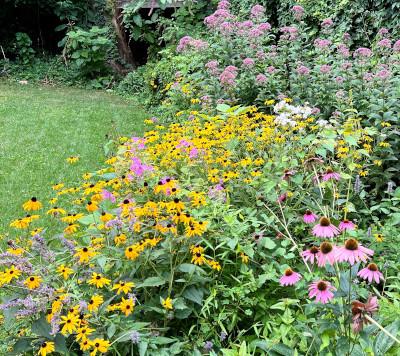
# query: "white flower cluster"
288, 114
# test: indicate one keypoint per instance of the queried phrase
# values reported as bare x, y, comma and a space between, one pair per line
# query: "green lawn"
41, 126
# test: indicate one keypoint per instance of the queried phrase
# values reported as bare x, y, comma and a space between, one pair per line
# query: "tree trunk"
123, 46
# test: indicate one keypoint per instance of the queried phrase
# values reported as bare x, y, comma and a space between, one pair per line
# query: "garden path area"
42, 126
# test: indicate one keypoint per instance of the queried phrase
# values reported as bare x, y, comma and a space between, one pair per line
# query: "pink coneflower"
330, 174
371, 273
361, 310
326, 254
310, 254
322, 291
289, 278
346, 225
353, 252
325, 229
309, 217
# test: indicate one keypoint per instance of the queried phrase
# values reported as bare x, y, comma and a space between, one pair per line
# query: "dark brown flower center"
373, 267
96, 344
288, 272
324, 221
322, 286
32, 279
308, 212
85, 249
98, 277
329, 170
198, 254
326, 247
44, 344
34, 199
351, 244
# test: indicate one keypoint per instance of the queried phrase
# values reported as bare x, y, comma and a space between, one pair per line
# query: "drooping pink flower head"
310, 254
360, 310
325, 229
289, 278
346, 225
326, 254
322, 291
309, 217
370, 273
353, 252
330, 174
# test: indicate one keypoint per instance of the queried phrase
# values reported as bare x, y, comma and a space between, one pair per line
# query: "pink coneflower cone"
371, 273
289, 278
330, 174
322, 291
353, 252
325, 229
309, 217
346, 225
360, 310
310, 254
326, 254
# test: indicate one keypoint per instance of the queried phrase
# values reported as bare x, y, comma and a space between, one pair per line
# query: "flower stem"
382, 328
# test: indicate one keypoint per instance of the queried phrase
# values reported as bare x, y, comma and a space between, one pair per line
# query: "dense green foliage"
259, 212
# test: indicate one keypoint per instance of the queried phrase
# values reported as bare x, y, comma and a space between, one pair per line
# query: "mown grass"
40, 127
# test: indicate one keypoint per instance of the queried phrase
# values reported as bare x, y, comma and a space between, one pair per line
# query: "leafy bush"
89, 49
23, 47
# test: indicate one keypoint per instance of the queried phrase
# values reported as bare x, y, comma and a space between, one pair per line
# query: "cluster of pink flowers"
248, 63
257, 11
228, 76
362, 52
327, 23
325, 68
289, 33
220, 16
302, 70
385, 43
298, 12
187, 42
261, 78
343, 50
322, 43
212, 66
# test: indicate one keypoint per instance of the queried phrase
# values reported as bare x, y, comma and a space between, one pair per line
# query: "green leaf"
194, 294
41, 327
60, 344
267, 243
152, 282
187, 268
162, 340
143, 348
111, 330
90, 219
22, 345
384, 342
223, 107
